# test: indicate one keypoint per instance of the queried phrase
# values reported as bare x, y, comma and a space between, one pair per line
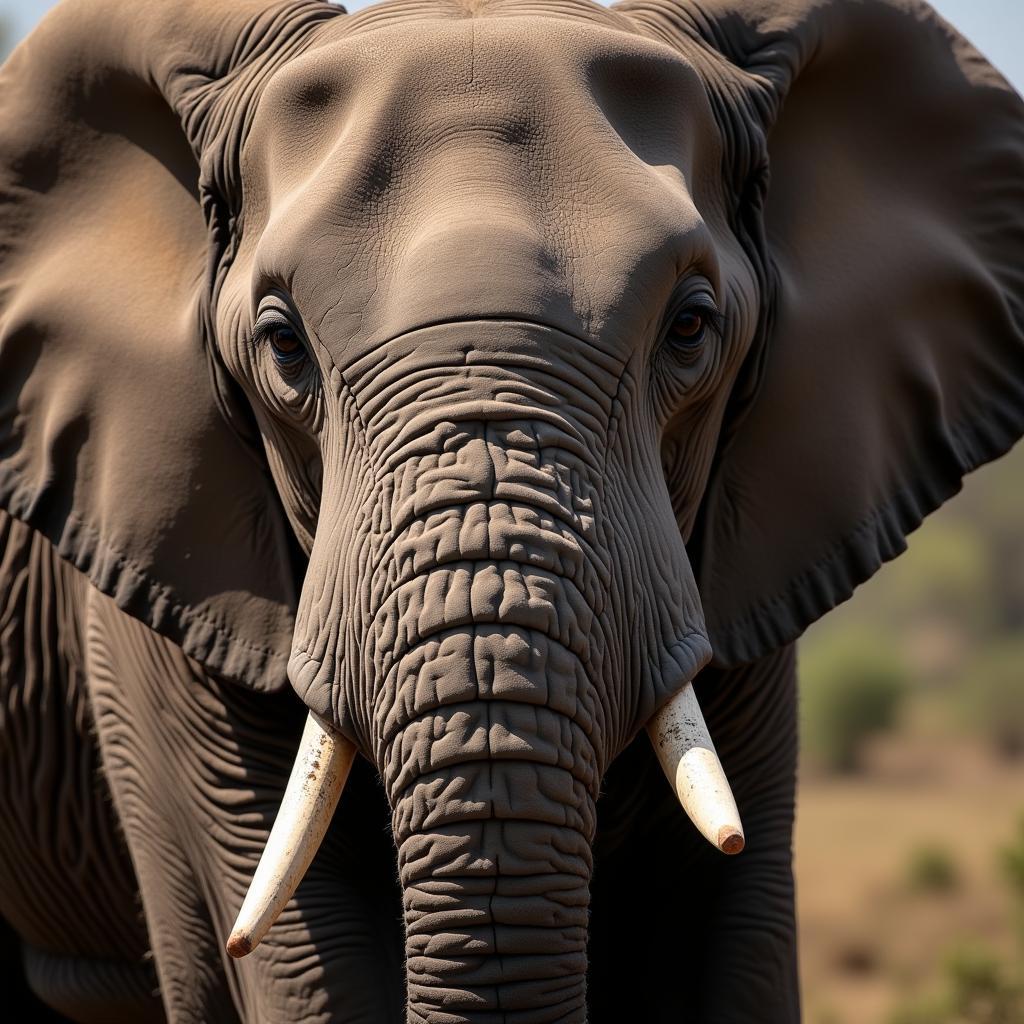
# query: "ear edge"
218, 648
200, 624
764, 46
879, 537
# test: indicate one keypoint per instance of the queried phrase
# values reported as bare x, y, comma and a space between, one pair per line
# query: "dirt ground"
869, 939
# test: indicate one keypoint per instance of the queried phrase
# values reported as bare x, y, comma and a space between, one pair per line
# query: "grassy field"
876, 927
912, 717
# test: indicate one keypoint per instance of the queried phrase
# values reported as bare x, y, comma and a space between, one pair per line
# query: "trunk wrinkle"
470, 613
570, 520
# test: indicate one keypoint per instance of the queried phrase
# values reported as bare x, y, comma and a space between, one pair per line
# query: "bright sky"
996, 27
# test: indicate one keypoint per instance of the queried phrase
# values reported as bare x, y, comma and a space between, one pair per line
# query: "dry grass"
868, 940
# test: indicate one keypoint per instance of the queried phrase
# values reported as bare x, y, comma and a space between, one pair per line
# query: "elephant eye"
287, 348
689, 328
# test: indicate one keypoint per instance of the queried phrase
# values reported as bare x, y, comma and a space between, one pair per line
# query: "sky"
996, 27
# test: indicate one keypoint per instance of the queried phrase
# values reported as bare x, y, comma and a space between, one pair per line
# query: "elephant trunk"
496, 894
494, 651
486, 744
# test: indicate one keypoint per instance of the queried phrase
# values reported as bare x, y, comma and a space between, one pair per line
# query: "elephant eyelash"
262, 333
273, 326
717, 321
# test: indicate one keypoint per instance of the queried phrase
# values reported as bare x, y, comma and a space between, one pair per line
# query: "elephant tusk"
318, 776
684, 748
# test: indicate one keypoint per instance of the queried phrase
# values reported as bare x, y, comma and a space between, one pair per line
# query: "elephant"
478, 397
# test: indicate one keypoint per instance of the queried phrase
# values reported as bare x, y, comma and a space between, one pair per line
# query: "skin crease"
463, 366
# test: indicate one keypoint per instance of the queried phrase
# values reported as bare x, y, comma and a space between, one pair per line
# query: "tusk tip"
239, 945
730, 840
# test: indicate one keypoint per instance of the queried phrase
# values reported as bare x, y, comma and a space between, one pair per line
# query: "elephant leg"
750, 954
197, 769
15, 984
679, 932
74, 935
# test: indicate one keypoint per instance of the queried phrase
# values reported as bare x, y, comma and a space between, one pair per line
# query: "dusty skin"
469, 377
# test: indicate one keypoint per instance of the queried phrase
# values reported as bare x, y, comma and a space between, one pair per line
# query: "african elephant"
461, 378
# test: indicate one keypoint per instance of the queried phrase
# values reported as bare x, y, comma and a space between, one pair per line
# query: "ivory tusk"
684, 748
318, 776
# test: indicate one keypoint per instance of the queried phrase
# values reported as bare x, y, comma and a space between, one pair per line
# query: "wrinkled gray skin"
457, 254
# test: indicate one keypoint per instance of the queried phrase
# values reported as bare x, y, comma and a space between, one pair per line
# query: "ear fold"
118, 438
894, 354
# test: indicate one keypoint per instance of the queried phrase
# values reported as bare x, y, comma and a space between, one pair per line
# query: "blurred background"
910, 828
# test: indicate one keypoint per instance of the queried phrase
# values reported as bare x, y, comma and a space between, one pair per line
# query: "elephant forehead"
536, 161
431, 62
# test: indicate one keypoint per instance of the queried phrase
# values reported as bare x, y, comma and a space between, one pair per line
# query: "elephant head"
556, 350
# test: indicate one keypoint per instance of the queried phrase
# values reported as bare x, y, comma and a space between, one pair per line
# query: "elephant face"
494, 312
474, 301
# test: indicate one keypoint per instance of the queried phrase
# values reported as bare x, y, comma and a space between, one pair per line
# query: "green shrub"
993, 693
931, 869
1012, 860
976, 990
979, 991
929, 1010
851, 688
946, 574
993, 504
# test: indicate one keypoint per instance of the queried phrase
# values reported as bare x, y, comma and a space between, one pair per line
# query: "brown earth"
869, 940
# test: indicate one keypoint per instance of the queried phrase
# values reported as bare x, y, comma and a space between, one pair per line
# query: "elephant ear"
121, 439
892, 355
